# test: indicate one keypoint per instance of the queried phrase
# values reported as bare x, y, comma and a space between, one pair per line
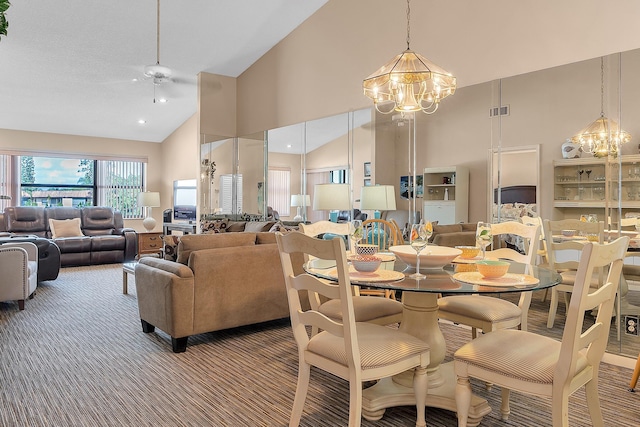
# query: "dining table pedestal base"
387, 393
420, 319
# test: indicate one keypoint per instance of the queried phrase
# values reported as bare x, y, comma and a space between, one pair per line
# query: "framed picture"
367, 170
406, 192
367, 182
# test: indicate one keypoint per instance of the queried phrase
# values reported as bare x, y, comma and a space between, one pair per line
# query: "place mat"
380, 275
509, 279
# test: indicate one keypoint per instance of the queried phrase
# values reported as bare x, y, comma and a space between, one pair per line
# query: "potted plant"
4, 24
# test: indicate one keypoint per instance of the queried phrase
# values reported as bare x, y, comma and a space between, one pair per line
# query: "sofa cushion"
107, 243
97, 220
451, 228
195, 242
470, 226
73, 244
236, 226
258, 226
65, 228
265, 238
216, 226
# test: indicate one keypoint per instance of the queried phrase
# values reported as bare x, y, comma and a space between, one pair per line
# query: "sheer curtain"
279, 193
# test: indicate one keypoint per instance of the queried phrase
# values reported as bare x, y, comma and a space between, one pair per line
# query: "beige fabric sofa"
452, 235
219, 281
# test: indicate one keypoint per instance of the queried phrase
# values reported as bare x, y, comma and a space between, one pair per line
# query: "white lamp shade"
327, 197
149, 199
300, 200
378, 198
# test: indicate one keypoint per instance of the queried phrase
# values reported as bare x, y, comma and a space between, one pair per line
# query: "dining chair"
491, 313
534, 364
398, 230
354, 351
384, 234
567, 266
542, 260
19, 266
635, 376
372, 309
380, 232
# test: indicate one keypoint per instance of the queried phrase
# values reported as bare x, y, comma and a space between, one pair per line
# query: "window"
279, 193
52, 181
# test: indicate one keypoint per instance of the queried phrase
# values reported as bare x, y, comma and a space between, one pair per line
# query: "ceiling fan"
159, 73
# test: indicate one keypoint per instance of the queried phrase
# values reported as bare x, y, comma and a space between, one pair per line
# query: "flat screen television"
184, 200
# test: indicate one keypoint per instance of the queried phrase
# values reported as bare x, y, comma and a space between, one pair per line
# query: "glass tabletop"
444, 280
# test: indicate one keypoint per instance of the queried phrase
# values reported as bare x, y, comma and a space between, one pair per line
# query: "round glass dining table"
420, 319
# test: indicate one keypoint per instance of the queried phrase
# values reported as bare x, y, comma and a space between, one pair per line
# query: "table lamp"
149, 200
332, 198
378, 198
299, 201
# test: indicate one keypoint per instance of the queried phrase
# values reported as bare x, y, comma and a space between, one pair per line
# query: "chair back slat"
529, 233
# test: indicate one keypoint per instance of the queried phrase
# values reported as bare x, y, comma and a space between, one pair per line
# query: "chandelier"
409, 82
602, 137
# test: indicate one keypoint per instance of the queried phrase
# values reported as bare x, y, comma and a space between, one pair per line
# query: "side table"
127, 268
149, 243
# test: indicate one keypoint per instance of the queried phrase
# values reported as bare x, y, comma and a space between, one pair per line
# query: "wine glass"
483, 236
419, 236
355, 233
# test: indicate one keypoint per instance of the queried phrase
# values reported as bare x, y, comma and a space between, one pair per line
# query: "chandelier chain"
408, 24
602, 85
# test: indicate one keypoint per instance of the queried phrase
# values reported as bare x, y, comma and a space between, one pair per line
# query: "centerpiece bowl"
431, 257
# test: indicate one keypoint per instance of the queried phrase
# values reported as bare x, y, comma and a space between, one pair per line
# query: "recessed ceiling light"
142, 121
288, 145
163, 100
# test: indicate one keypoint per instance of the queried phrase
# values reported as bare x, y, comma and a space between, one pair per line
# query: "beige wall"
180, 154
74, 145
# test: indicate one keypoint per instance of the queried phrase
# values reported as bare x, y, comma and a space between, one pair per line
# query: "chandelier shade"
602, 137
409, 82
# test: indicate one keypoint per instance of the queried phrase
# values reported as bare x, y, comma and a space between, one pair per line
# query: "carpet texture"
76, 356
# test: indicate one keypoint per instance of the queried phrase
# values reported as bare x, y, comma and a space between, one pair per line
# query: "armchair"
19, 266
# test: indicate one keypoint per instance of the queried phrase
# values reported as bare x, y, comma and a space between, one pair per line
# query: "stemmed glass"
355, 234
420, 234
483, 236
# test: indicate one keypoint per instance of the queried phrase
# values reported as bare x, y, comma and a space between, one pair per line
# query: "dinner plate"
509, 279
380, 275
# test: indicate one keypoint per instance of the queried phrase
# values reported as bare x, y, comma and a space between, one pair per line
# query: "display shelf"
591, 182
446, 194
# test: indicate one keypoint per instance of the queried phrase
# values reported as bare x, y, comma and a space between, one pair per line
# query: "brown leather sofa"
219, 281
104, 238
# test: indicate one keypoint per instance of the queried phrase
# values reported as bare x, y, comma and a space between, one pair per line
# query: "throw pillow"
217, 226
65, 228
278, 226
170, 247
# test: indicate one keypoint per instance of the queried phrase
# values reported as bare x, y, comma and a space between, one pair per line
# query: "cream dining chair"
373, 309
490, 313
353, 351
534, 364
19, 266
568, 266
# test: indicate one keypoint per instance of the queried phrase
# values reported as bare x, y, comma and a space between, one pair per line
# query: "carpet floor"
76, 356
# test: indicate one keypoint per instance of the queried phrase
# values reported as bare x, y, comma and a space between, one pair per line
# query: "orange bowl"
468, 251
492, 269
